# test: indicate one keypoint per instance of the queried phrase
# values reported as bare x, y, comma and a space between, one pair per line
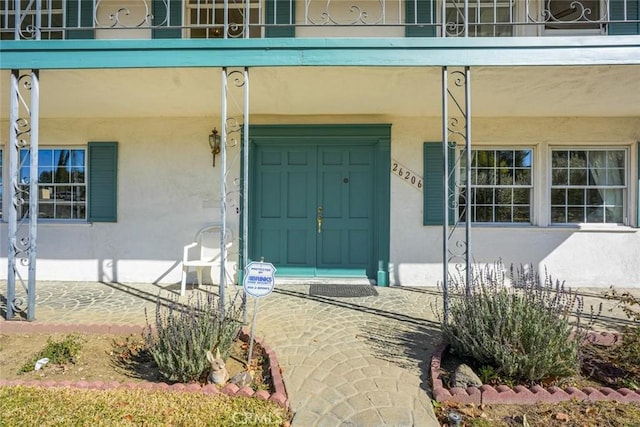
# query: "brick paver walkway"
345, 361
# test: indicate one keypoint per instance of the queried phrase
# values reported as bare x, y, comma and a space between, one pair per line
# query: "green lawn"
34, 406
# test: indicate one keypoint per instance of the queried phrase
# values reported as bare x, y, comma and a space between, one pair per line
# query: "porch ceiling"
496, 91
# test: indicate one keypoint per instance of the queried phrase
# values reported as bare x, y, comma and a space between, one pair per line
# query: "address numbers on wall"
406, 174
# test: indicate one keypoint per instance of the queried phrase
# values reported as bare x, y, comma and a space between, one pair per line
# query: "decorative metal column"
456, 132
23, 194
233, 190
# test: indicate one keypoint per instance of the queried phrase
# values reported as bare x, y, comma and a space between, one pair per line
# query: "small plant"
627, 354
488, 374
130, 354
184, 333
58, 352
522, 328
626, 301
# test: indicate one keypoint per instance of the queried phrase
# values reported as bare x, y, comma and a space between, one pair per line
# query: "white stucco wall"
587, 256
168, 190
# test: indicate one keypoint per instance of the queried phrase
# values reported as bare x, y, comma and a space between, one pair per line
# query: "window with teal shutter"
433, 197
61, 181
617, 10
79, 20
103, 181
281, 12
420, 12
166, 13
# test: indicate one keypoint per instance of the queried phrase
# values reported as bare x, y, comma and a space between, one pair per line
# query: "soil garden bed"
587, 387
112, 356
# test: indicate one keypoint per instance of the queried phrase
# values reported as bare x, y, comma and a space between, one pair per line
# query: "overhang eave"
516, 51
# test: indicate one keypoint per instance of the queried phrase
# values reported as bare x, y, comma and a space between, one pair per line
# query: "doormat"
346, 291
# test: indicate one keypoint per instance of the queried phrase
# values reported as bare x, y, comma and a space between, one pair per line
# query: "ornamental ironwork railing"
81, 19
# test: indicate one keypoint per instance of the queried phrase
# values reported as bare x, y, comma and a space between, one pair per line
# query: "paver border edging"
521, 395
279, 396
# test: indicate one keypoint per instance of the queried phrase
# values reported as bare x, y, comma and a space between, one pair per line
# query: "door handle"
319, 219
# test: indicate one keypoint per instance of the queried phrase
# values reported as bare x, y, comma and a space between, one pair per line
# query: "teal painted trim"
383, 203
284, 132
433, 194
383, 276
341, 272
295, 272
638, 188
433, 177
102, 205
284, 271
273, 52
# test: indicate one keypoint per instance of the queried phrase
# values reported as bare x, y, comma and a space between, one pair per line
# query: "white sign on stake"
259, 279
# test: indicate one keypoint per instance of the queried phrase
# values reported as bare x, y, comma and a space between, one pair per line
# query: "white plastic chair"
204, 252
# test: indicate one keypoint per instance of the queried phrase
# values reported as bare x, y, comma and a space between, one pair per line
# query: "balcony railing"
108, 19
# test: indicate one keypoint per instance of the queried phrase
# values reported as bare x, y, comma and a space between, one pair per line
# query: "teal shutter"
420, 12
280, 12
103, 182
79, 16
616, 8
166, 14
433, 198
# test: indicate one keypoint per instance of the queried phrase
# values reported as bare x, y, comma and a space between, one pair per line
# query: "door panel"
285, 205
345, 191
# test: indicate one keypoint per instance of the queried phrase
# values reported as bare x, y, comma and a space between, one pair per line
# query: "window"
487, 18
75, 184
209, 16
588, 186
501, 186
76, 15
62, 186
581, 16
51, 19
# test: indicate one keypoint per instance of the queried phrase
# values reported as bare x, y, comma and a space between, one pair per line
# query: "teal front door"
313, 205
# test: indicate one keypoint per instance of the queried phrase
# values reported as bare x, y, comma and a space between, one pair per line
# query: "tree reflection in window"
501, 186
61, 183
588, 186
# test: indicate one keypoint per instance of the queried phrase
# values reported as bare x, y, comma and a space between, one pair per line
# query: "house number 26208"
406, 174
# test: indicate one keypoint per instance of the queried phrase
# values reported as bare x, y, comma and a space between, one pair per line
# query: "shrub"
58, 352
627, 353
524, 330
184, 333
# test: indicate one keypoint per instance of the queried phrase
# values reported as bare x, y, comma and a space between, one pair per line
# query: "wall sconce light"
214, 143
